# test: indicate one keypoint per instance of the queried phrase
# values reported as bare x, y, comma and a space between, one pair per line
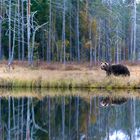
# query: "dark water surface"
69, 118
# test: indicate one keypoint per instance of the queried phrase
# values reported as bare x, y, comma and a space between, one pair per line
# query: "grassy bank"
70, 83
71, 76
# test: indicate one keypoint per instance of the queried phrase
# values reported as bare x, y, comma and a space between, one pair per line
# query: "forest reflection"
69, 118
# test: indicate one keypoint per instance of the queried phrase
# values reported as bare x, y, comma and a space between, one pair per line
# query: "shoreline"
74, 77
70, 83
87, 94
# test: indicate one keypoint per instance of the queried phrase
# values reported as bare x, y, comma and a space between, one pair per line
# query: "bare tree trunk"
63, 33
90, 39
13, 43
70, 26
77, 31
22, 29
107, 42
89, 31
42, 44
19, 55
9, 18
28, 31
0, 37
95, 49
117, 49
1, 5
14, 36
50, 33
99, 41
124, 52
134, 30
131, 43
33, 39
109, 32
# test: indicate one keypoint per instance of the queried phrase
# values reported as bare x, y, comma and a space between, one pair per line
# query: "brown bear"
115, 69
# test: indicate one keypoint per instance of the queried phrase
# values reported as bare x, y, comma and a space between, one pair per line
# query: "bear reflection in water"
108, 101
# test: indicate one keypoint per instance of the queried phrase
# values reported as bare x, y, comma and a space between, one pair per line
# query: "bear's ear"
103, 63
106, 64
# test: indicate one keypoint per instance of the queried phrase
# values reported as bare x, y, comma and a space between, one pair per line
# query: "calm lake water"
69, 118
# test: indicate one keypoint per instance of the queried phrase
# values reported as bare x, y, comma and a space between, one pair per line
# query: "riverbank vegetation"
64, 34
65, 77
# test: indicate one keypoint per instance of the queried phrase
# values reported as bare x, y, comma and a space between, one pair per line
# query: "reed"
66, 83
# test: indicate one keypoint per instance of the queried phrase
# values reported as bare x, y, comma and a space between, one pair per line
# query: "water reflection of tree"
17, 119
77, 112
67, 118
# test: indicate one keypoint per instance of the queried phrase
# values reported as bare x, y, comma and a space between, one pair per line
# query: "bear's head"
105, 66
105, 102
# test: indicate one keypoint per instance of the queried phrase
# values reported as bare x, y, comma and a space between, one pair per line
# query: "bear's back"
120, 69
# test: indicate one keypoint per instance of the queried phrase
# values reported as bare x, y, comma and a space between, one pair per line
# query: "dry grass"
70, 76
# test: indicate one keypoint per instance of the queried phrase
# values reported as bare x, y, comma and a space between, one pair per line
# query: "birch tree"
0, 36
63, 33
117, 47
1, 11
89, 30
9, 18
50, 32
19, 51
77, 32
13, 41
70, 29
99, 41
134, 30
22, 29
35, 29
28, 31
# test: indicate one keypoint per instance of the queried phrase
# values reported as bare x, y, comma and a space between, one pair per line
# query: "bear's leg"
108, 73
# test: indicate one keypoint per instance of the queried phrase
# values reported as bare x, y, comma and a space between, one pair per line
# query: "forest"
69, 69
69, 30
